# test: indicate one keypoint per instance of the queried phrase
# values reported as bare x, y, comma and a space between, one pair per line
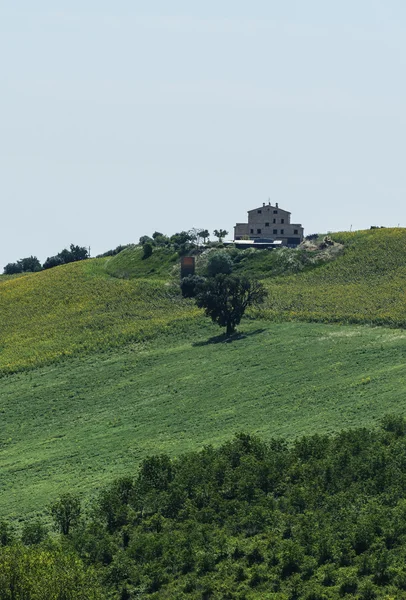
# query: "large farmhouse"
269, 224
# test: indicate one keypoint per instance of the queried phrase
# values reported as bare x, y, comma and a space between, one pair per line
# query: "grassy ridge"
78, 424
366, 284
77, 308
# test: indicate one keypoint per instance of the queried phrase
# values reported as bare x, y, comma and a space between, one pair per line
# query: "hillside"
366, 284
78, 424
129, 264
99, 303
103, 363
77, 308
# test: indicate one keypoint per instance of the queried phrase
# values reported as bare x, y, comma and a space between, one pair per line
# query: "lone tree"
226, 297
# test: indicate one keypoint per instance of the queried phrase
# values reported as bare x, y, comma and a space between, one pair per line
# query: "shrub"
219, 262
190, 284
12, 269
147, 250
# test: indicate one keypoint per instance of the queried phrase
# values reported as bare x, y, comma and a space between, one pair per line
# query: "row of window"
274, 221
259, 211
275, 231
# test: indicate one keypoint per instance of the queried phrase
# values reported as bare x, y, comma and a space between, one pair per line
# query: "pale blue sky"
121, 118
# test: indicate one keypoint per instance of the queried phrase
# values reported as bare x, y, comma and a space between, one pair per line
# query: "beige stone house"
269, 223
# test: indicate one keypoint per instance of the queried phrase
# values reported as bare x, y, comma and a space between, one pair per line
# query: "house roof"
270, 207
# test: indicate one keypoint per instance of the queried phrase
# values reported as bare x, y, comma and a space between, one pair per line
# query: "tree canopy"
225, 299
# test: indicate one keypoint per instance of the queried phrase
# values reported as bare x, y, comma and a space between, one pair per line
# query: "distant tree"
30, 264
204, 234
225, 299
52, 261
178, 239
162, 240
78, 252
65, 512
157, 234
66, 256
220, 234
33, 533
147, 250
219, 262
12, 268
6, 534
145, 239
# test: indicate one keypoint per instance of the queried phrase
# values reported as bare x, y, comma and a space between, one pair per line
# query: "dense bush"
218, 262
190, 284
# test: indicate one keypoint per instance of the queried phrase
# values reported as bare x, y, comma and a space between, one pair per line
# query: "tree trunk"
230, 328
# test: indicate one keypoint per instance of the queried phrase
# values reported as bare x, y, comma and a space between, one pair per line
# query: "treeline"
322, 518
182, 242
31, 264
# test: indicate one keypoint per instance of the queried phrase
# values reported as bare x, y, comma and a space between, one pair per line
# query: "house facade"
269, 223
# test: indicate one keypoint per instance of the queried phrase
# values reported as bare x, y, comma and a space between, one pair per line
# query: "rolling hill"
103, 362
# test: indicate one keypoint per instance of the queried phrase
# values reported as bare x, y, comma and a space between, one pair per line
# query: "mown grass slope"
78, 424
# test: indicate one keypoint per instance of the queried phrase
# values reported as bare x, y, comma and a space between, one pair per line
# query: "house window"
258, 231
275, 231
259, 212
274, 221
282, 220
282, 231
251, 231
266, 224
275, 212
295, 231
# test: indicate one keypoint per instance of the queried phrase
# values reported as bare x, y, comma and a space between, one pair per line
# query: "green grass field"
102, 362
78, 424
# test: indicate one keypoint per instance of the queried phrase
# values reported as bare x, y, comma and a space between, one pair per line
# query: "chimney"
276, 205
263, 204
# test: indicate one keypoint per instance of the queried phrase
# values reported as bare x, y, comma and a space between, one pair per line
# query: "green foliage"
114, 251
220, 234
190, 284
30, 264
65, 257
330, 514
146, 250
6, 533
12, 269
225, 299
35, 574
129, 264
65, 512
219, 262
33, 532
